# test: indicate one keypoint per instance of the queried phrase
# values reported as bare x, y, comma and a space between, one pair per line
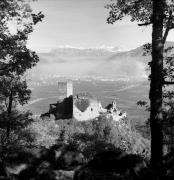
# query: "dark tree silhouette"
160, 15
156, 98
15, 57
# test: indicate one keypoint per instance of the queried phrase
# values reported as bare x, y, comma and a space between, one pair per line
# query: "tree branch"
168, 82
145, 24
168, 27
166, 34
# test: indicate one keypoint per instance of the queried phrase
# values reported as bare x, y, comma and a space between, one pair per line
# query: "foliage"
89, 137
161, 15
15, 87
168, 95
18, 120
102, 134
16, 58
17, 22
19, 136
45, 132
140, 11
68, 144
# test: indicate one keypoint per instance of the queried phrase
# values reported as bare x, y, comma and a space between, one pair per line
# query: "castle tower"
65, 89
69, 89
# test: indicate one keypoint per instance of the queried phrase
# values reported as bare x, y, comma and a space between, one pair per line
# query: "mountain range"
101, 63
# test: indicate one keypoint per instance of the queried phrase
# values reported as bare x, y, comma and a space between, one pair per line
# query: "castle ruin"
80, 107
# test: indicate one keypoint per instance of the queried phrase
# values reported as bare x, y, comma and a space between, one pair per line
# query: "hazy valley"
107, 74
95, 63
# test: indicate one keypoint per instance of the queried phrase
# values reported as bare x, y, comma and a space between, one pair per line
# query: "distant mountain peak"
104, 63
101, 48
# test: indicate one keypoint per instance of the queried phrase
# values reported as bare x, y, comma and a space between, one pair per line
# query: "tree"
15, 57
14, 54
156, 97
13, 90
159, 14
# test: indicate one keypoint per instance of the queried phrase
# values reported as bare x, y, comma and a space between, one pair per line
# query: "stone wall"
62, 109
95, 109
91, 112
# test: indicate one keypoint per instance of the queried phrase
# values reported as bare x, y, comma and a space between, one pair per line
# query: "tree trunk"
156, 115
9, 114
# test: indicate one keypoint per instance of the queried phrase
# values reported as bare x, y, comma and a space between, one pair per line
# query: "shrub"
91, 137
46, 132
19, 137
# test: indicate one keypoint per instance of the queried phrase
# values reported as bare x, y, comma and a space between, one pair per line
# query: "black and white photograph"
86, 89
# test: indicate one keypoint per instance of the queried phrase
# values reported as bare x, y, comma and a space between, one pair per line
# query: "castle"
81, 107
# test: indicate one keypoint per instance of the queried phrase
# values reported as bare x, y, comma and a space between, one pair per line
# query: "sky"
82, 24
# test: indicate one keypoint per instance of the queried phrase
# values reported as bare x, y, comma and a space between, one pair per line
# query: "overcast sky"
82, 23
